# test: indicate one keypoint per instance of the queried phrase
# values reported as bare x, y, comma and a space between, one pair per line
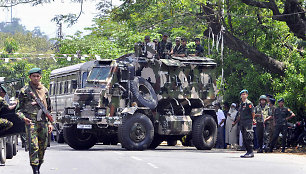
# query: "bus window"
66, 87
61, 88
84, 77
50, 89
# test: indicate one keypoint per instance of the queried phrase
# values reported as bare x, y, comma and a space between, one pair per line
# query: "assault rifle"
44, 109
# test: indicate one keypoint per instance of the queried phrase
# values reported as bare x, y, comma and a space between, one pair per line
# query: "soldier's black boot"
260, 150
35, 169
39, 168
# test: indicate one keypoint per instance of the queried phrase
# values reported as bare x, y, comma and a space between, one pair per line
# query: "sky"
41, 15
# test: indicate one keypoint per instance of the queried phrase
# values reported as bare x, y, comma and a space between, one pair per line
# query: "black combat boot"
260, 150
35, 169
39, 168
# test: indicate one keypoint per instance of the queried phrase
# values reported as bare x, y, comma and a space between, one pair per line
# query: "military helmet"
263, 97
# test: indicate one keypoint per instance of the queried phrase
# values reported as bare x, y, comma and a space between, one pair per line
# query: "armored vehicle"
140, 102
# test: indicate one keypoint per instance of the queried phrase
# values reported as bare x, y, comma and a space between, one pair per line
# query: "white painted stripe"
136, 158
152, 165
118, 153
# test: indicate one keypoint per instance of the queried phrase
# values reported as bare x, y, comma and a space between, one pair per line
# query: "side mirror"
74, 84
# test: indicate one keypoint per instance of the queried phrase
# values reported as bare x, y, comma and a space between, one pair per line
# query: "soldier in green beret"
37, 124
246, 116
4, 123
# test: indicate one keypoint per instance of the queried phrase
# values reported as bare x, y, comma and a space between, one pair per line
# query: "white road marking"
152, 165
118, 153
136, 158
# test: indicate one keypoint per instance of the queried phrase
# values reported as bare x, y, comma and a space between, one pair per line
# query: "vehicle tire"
143, 93
2, 151
15, 143
77, 139
156, 142
171, 142
9, 148
204, 132
137, 132
302, 139
60, 137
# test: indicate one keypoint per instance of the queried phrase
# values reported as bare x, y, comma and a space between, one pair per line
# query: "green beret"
243, 91
3, 89
35, 70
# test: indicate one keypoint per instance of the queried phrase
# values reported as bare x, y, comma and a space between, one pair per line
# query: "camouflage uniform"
183, 50
260, 129
269, 127
4, 123
163, 49
37, 132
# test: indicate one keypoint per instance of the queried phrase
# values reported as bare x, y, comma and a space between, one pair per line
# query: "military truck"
141, 101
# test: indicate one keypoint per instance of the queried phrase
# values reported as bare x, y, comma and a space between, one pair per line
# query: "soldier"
164, 47
177, 46
199, 50
37, 125
269, 125
281, 115
4, 123
261, 114
148, 47
246, 116
183, 51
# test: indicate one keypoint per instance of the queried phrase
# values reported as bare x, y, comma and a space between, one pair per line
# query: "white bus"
63, 82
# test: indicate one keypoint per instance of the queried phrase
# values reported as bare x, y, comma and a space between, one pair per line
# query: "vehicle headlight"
101, 111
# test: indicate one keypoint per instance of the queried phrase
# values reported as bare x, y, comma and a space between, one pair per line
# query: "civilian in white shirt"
221, 120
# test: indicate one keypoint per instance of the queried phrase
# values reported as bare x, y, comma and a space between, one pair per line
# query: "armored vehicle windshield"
99, 73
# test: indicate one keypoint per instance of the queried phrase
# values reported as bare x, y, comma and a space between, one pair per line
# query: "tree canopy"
263, 40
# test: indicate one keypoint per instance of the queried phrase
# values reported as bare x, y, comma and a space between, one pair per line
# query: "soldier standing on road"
246, 117
261, 114
281, 116
269, 125
37, 125
164, 47
4, 123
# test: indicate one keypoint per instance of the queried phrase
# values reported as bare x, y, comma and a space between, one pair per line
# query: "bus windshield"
99, 73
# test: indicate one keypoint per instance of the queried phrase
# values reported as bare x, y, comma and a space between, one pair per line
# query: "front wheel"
9, 148
2, 151
78, 139
136, 132
204, 132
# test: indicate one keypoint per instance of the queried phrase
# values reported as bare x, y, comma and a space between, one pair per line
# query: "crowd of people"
245, 126
163, 49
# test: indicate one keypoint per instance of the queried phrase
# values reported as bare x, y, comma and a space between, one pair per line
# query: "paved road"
61, 159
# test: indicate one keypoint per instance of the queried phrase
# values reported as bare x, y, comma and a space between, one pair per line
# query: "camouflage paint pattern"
264, 112
4, 123
37, 134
